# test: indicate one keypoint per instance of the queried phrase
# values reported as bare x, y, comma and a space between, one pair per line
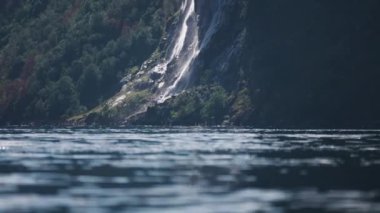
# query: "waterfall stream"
170, 74
185, 50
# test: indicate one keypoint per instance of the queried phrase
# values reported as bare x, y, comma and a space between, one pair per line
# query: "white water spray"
172, 72
185, 50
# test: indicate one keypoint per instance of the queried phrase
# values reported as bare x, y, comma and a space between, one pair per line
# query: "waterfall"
183, 54
170, 74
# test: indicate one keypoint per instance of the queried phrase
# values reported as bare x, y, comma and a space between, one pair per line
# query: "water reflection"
189, 170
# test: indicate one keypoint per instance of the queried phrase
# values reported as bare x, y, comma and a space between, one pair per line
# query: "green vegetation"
61, 58
215, 106
206, 105
242, 108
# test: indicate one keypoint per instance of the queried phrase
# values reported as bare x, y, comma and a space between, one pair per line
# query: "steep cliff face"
304, 64
223, 39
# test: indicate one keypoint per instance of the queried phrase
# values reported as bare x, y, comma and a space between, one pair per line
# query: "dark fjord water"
189, 170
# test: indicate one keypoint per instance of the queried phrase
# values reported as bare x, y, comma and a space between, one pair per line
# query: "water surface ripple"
189, 170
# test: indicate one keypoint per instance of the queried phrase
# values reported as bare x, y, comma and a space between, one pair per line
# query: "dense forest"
273, 63
61, 58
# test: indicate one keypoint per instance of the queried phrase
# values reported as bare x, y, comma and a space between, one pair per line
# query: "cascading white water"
185, 50
172, 71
